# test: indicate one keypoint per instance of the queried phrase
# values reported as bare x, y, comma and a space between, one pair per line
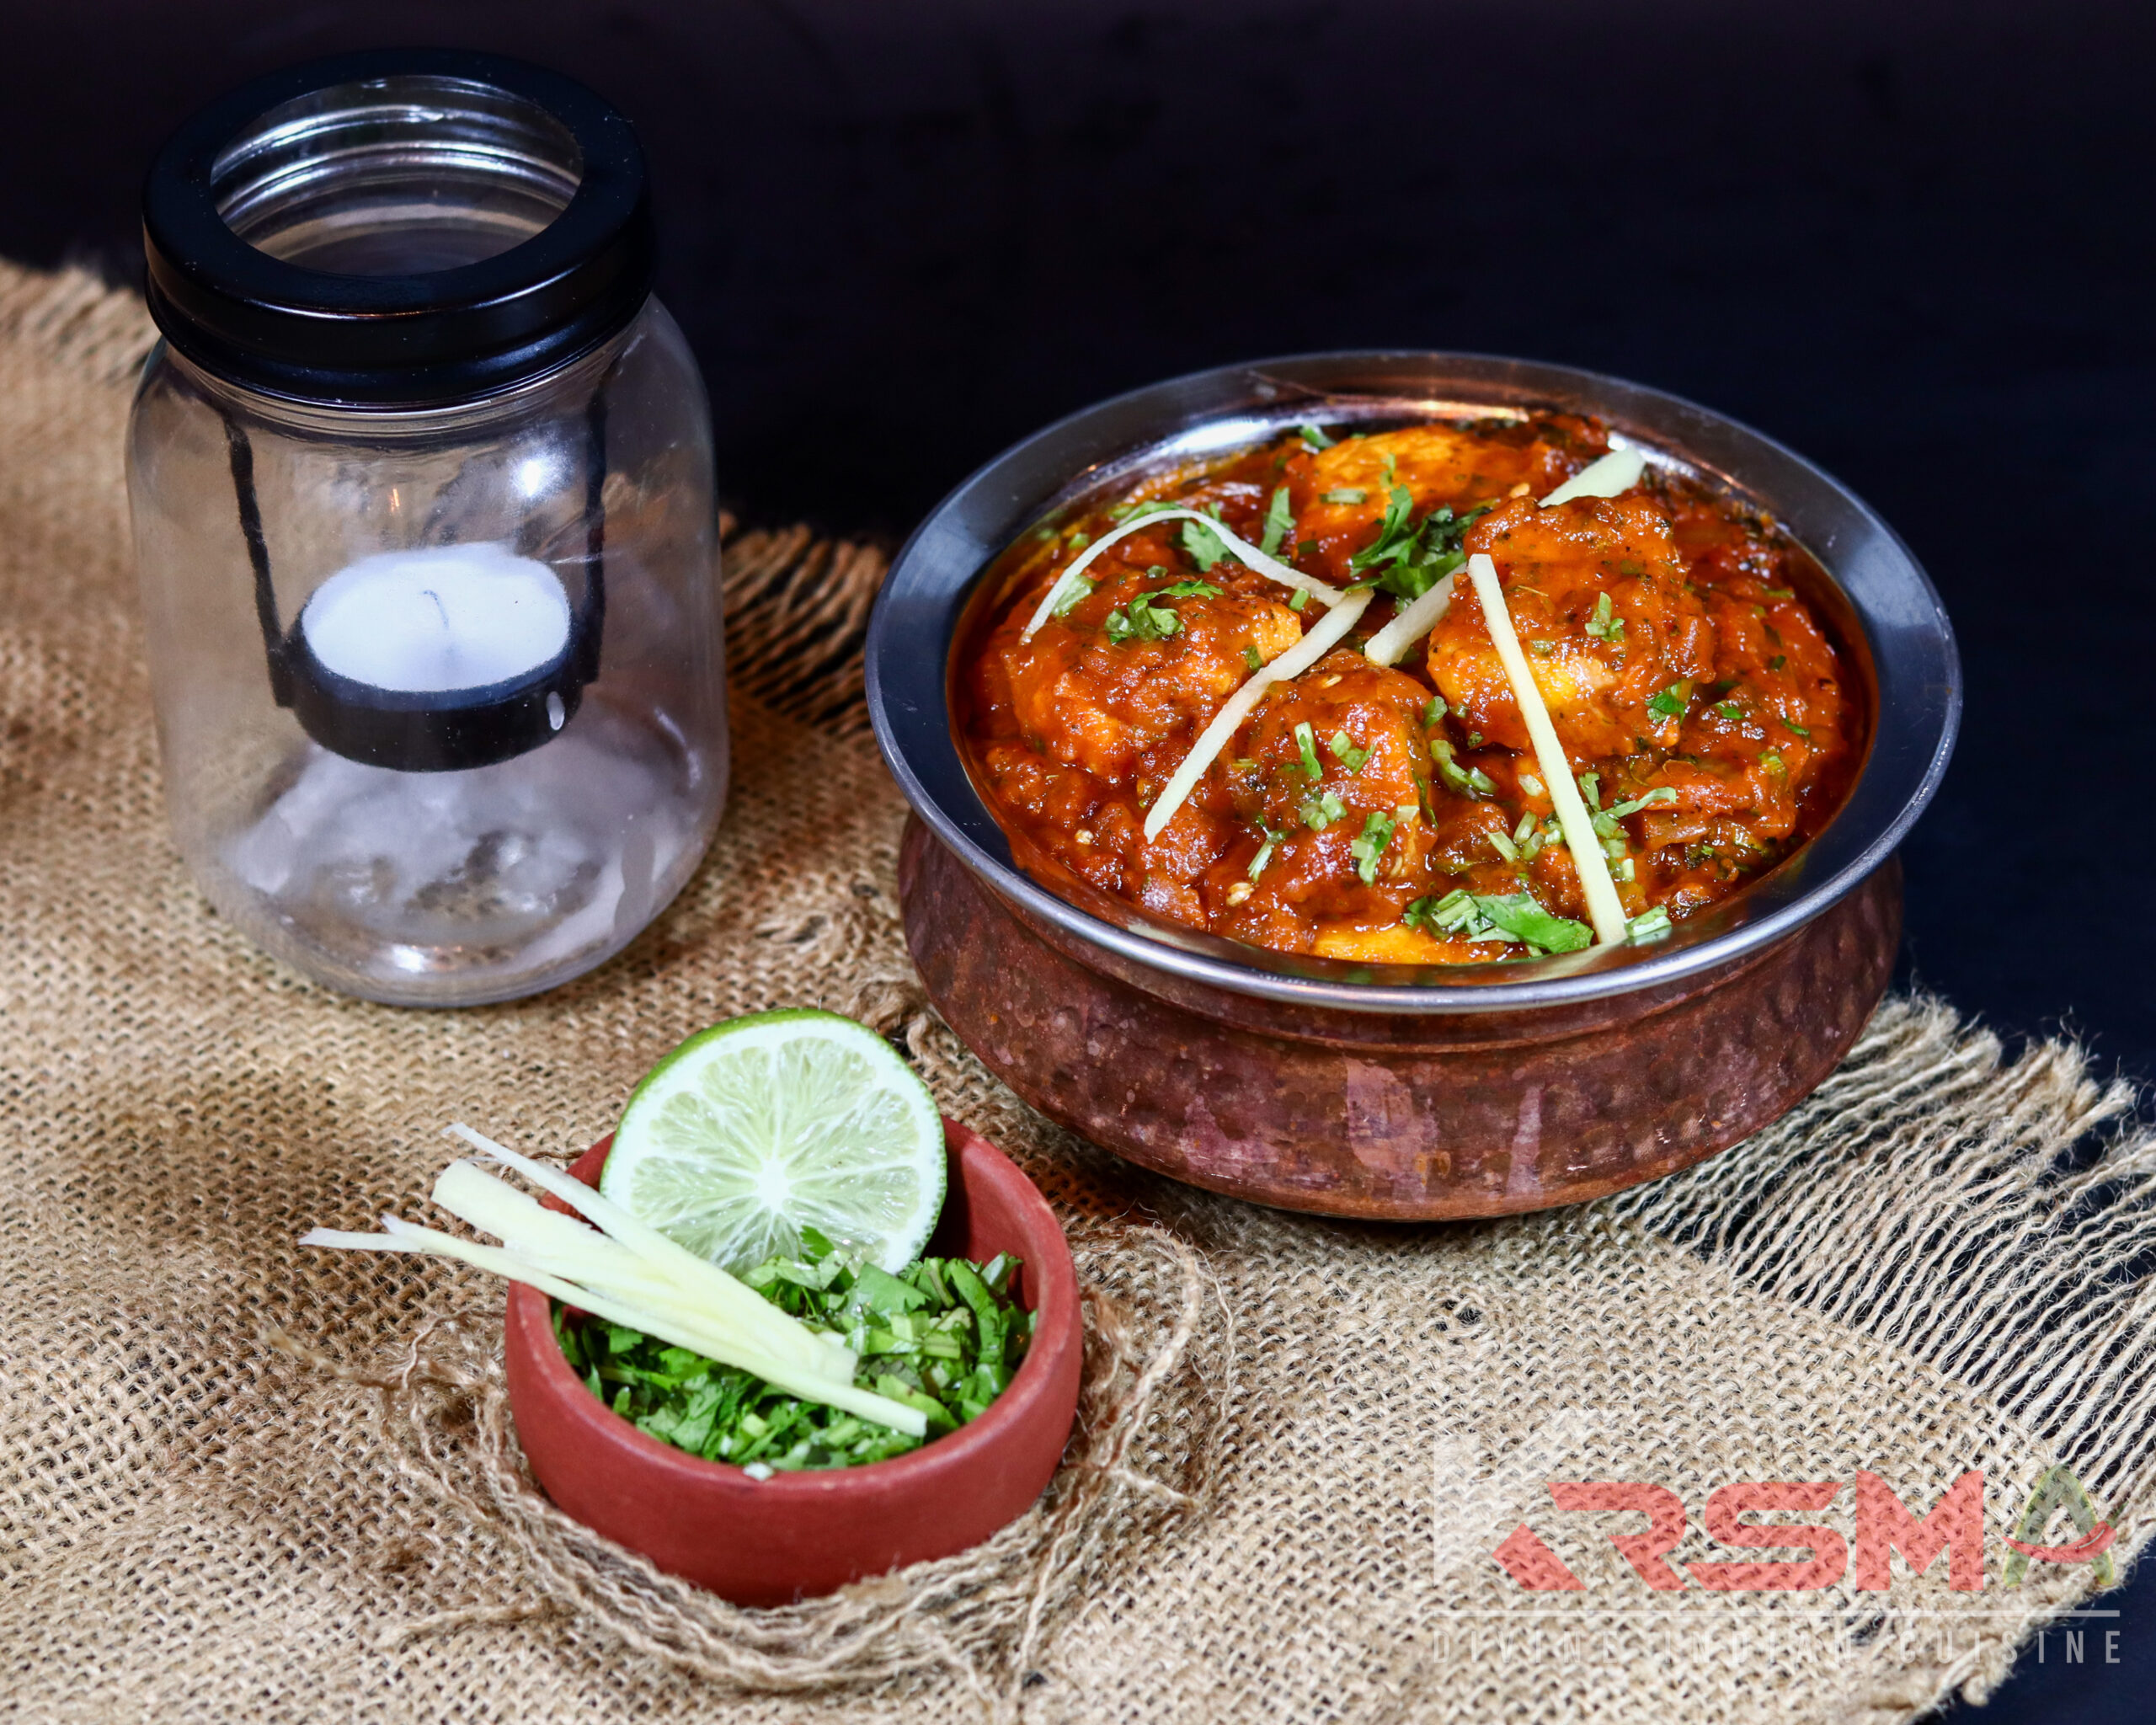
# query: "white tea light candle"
438, 620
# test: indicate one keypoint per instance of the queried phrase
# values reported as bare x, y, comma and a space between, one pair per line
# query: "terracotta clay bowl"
1397, 1092
769, 1542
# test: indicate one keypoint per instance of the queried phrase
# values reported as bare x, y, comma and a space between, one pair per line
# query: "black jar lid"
412, 340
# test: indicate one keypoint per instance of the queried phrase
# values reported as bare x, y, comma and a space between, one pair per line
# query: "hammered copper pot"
1389, 1091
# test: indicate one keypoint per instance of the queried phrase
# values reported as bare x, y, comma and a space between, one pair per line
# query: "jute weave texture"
238, 1481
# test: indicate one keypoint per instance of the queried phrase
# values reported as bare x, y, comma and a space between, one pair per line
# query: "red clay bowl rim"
1058, 1284
1916, 670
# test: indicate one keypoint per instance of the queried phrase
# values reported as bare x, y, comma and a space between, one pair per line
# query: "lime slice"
762, 1126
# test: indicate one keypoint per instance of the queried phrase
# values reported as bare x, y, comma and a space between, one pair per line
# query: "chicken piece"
1242, 912
1335, 764
1109, 682
1703, 793
1600, 667
1340, 494
1366, 725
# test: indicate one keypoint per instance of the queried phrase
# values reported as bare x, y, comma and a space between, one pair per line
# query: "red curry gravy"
1397, 814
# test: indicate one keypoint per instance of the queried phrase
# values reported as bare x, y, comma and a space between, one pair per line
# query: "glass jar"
423, 519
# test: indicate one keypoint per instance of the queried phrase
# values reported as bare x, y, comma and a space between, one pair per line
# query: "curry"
1272, 697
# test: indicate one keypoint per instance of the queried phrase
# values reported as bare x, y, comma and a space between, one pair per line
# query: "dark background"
1911, 239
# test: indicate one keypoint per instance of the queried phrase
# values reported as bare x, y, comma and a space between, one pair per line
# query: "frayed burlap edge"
1989, 1218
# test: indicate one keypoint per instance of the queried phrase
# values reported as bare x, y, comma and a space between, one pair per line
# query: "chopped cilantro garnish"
1605, 625
1414, 556
1306, 740
1279, 525
1467, 780
1143, 620
1449, 914
1202, 545
1140, 621
1648, 925
1518, 913
1377, 834
1345, 494
1393, 531
1345, 751
1313, 438
1461, 912
1645, 799
1672, 702
1605, 819
1321, 810
1074, 593
1729, 709
942, 1335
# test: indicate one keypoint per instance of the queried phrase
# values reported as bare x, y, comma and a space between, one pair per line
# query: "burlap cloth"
242, 1481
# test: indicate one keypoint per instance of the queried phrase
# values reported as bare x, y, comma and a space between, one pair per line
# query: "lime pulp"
761, 1127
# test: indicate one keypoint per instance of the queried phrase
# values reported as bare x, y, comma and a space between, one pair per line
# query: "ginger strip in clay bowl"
1408, 785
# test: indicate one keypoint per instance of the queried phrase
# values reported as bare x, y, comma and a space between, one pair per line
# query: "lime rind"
758, 1128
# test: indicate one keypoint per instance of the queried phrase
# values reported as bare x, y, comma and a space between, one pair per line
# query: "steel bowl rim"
1864, 837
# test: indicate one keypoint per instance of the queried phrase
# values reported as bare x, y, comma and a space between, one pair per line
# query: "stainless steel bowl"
1745, 1008
1914, 669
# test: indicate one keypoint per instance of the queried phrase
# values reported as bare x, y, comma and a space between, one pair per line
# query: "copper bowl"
771, 1541
1395, 1092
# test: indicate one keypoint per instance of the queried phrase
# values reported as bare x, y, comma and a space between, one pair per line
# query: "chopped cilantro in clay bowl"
764, 1535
